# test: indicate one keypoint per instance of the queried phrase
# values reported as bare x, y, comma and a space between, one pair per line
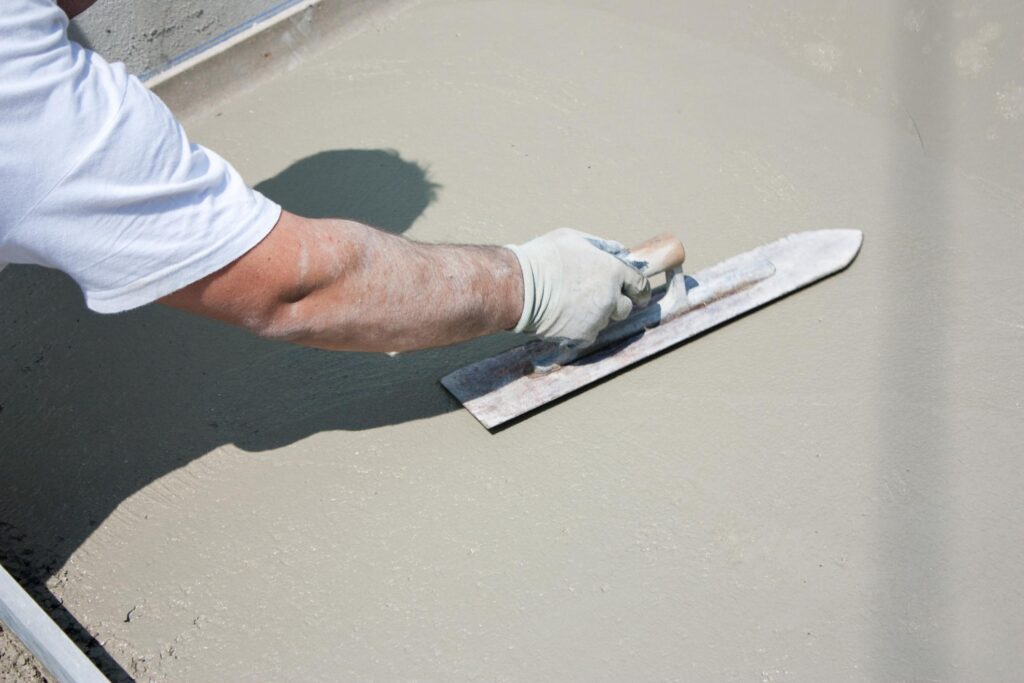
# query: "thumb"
623, 307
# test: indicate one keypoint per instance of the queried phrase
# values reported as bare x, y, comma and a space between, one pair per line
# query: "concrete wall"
150, 36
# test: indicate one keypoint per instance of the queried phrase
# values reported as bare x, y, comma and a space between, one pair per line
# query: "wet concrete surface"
827, 489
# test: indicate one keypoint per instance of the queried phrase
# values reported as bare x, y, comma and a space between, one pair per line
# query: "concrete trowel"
507, 386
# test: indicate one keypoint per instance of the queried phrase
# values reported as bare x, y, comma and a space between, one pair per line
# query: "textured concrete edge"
23, 616
278, 9
279, 42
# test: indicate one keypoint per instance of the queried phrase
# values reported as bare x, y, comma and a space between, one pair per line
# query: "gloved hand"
574, 283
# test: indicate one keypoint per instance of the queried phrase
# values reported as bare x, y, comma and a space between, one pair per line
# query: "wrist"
518, 285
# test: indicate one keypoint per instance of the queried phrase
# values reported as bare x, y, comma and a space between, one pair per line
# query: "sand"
828, 489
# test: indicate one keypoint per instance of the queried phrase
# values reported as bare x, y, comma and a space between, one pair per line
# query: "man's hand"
574, 283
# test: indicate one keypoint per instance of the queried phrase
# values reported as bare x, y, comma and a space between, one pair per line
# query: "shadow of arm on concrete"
373, 186
94, 408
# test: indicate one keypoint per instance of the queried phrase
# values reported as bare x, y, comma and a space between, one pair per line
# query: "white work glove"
574, 283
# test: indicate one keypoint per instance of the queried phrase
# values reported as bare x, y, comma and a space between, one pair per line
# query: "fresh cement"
827, 489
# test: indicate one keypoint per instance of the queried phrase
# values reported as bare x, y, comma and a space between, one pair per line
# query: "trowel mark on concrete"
973, 55
1010, 102
913, 20
824, 56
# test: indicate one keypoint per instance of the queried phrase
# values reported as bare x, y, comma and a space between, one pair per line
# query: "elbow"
280, 320
284, 289
311, 320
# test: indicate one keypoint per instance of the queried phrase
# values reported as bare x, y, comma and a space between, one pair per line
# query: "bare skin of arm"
341, 285
337, 284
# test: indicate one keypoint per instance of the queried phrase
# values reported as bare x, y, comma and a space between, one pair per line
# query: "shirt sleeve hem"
149, 289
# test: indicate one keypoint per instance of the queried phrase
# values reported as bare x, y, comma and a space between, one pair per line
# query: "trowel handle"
660, 253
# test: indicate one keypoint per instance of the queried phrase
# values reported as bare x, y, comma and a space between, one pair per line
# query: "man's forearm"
367, 290
342, 285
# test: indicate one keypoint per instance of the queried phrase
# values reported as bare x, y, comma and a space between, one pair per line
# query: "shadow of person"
93, 408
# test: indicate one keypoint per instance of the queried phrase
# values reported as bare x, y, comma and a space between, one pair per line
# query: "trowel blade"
503, 387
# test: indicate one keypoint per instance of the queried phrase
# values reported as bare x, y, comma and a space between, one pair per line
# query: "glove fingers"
636, 287
612, 247
623, 307
618, 250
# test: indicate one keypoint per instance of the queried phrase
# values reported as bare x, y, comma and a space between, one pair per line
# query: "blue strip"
202, 47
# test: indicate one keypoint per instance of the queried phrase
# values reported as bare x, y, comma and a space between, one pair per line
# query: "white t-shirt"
98, 180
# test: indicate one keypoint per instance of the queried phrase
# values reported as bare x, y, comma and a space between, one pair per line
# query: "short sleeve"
131, 210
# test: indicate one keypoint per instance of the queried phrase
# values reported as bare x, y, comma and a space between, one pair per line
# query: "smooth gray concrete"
825, 490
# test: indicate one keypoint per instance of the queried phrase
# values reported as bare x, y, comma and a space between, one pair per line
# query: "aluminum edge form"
504, 387
33, 627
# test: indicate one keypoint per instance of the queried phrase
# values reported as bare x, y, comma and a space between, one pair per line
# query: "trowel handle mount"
660, 253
